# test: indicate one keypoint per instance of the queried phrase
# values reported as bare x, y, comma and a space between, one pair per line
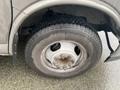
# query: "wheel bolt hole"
77, 50
55, 47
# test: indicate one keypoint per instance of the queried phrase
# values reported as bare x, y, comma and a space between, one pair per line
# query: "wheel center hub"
64, 61
63, 55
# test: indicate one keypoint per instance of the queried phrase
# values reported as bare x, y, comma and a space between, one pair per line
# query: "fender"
99, 5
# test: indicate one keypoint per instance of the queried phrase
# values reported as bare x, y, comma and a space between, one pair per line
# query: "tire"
83, 35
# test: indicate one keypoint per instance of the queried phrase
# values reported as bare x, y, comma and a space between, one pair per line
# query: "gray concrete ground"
16, 75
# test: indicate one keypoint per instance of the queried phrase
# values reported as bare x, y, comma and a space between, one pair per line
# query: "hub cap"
63, 55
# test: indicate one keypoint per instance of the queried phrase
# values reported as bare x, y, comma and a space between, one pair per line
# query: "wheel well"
92, 15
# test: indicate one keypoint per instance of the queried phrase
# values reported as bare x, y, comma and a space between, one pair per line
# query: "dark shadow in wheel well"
98, 19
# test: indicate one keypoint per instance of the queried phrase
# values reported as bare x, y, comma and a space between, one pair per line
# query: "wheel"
63, 50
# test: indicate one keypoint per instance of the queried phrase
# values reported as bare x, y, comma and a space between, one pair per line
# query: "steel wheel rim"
48, 60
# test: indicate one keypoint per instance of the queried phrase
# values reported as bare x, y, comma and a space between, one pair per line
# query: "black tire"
80, 34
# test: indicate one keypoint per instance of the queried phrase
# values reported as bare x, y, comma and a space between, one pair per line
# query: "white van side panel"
5, 22
19, 5
114, 3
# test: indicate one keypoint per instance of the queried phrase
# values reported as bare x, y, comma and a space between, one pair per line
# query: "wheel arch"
99, 5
